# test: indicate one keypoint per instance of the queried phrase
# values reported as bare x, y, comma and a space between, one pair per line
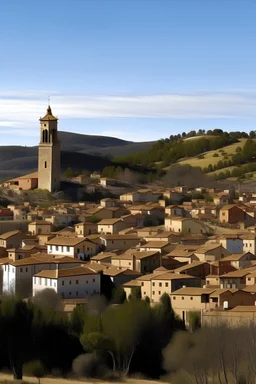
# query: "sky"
139, 70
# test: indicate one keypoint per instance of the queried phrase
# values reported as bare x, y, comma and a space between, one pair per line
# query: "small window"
160, 284
76, 281
159, 292
76, 293
153, 292
191, 298
69, 282
166, 284
68, 249
142, 283
93, 280
57, 248
45, 164
69, 293
26, 269
62, 283
153, 284
249, 279
174, 298
182, 298
21, 269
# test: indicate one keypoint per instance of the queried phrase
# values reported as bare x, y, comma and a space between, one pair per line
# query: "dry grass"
7, 379
208, 156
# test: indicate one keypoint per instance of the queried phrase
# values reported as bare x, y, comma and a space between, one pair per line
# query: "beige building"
85, 228
11, 239
119, 242
40, 227
240, 260
188, 299
211, 252
140, 261
185, 225
49, 153
110, 226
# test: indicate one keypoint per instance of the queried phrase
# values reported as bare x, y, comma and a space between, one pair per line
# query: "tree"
36, 369
119, 295
16, 318
69, 173
47, 299
77, 319
194, 320
135, 293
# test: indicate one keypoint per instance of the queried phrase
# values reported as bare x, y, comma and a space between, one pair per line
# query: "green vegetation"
169, 151
38, 339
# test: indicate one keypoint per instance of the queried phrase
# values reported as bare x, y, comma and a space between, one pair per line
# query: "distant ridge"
78, 151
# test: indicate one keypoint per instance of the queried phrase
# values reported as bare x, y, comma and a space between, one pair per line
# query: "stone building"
49, 153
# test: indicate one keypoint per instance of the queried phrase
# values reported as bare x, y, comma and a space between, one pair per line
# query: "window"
77, 281
249, 279
62, 282
250, 244
144, 293
153, 284
76, 293
21, 269
159, 292
57, 248
153, 292
160, 284
69, 293
142, 283
174, 298
223, 213
68, 249
45, 164
191, 298
69, 282
182, 298
166, 284
26, 269
93, 280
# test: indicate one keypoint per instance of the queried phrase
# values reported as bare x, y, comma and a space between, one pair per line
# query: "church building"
49, 168
49, 153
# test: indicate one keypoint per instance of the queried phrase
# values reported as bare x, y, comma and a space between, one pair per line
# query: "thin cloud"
22, 109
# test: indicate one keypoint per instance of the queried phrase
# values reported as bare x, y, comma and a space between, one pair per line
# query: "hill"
100, 145
78, 152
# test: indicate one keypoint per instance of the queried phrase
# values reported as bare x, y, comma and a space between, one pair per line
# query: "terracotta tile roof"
193, 291
109, 221
220, 291
236, 256
120, 237
60, 273
194, 264
235, 274
7, 235
155, 244
173, 276
68, 241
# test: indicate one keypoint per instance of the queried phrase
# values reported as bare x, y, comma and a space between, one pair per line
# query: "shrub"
89, 365
215, 155
200, 156
35, 368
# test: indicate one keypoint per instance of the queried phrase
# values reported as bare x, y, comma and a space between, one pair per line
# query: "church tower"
49, 153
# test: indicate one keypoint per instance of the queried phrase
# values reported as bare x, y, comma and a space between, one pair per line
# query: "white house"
17, 275
76, 247
77, 282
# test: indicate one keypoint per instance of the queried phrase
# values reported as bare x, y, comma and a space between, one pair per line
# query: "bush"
89, 365
35, 368
200, 156
194, 320
215, 155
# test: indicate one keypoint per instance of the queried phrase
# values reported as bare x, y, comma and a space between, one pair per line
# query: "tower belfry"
49, 153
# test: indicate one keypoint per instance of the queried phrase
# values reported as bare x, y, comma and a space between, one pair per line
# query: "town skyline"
135, 72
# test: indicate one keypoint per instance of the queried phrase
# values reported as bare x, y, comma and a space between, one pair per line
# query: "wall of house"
182, 305
249, 246
70, 287
120, 244
233, 245
37, 229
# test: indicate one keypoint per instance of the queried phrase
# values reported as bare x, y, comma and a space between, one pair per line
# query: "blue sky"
135, 69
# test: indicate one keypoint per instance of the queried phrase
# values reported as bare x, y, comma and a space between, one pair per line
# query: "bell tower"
49, 153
